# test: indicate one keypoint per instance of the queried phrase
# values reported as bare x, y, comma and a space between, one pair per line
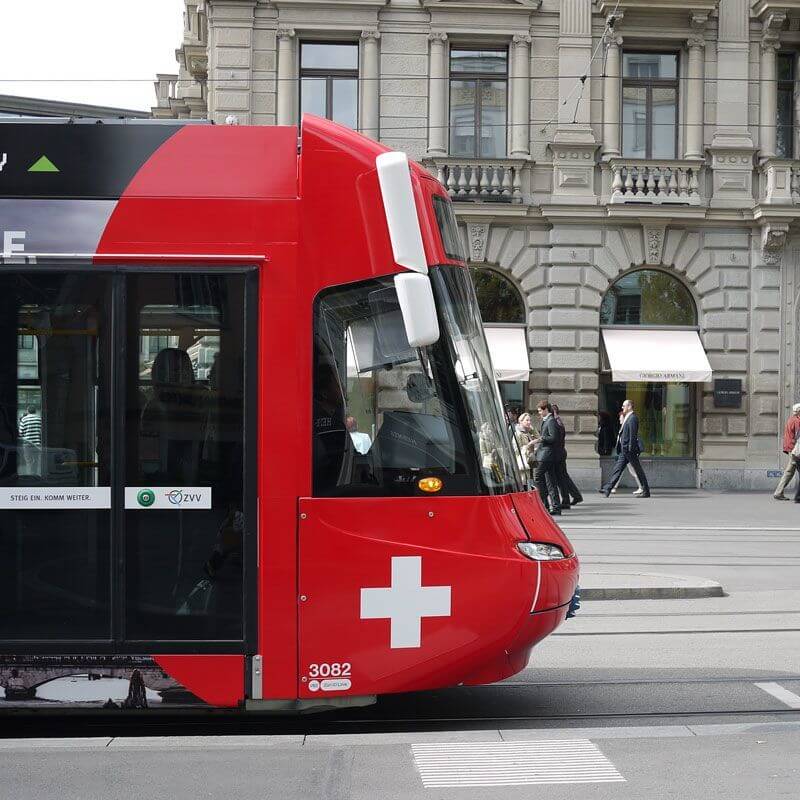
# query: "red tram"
251, 447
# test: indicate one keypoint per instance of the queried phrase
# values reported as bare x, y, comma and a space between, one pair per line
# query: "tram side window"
384, 412
55, 404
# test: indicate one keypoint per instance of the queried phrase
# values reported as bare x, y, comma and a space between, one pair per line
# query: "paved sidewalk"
615, 538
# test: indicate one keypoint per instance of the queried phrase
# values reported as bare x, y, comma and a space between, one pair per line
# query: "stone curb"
646, 586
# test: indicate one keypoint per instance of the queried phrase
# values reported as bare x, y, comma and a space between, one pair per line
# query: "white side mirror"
415, 295
394, 178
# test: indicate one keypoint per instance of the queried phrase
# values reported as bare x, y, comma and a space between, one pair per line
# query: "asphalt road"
639, 699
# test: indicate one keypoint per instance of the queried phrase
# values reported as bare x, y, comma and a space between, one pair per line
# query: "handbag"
796, 448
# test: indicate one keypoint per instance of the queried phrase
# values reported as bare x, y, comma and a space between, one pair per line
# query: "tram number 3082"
334, 670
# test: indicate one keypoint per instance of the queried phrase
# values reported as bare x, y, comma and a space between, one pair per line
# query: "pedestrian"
639, 491
790, 435
548, 447
525, 436
628, 449
570, 493
605, 434
30, 427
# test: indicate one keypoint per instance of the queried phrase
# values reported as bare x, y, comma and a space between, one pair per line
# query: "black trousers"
623, 459
566, 486
547, 484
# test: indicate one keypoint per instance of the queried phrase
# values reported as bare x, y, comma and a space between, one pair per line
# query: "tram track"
385, 719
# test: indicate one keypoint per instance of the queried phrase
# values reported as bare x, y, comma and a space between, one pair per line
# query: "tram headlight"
540, 551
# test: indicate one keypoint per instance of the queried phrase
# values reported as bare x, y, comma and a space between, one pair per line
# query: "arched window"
498, 298
503, 313
648, 297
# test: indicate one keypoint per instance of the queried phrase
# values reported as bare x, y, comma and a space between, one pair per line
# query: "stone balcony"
479, 180
654, 182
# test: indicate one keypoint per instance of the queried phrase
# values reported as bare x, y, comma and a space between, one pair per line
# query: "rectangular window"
329, 81
478, 103
649, 105
784, 138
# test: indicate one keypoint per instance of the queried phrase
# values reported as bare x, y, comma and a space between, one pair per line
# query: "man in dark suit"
547, 454
570, 493
628, 450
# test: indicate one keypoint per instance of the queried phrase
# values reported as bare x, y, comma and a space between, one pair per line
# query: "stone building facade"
583, 141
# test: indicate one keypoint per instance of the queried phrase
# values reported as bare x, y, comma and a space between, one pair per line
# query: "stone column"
521, 97
437, 94
694, 99
612, 112
370, 94
286, 76
768, 95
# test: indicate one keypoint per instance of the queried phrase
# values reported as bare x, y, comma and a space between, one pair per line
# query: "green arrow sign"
44, 164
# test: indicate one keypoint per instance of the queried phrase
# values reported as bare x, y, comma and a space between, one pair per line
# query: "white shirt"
361, 442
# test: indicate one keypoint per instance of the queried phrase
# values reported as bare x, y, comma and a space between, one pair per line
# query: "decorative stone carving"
773, 242
478, 235
285, 33
654, 244
573, 172
370, 33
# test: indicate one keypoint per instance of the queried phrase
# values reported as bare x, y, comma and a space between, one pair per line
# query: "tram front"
423, 560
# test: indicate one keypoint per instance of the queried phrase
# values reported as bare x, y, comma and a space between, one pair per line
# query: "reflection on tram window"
387, 415
185, 430
54, 434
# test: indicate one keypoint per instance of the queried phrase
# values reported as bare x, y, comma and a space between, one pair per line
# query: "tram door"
126, 499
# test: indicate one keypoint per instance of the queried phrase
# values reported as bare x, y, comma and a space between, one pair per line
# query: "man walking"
628, 452
790, 434
570, 493
547, 456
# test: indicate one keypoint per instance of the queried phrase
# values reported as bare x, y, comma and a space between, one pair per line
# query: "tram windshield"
387, 414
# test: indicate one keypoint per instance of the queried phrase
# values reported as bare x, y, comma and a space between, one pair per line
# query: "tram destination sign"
727, 393
75, 160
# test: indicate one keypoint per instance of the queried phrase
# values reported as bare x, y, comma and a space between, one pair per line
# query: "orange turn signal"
430, 485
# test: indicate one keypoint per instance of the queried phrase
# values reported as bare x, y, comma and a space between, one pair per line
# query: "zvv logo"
146, 498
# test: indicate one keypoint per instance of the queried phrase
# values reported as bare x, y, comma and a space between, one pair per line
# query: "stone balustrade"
165, 86
479, 180
656, 182
780, 182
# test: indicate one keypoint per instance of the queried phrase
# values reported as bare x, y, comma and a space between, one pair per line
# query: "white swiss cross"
406, 602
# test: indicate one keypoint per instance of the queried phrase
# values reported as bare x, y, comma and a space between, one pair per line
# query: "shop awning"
508, 348
668, 356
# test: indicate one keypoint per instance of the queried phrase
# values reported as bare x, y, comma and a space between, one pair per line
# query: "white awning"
508, 349
669, 356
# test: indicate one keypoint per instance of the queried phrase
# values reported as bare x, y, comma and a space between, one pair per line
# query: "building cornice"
483, 5
763, 8
689, 6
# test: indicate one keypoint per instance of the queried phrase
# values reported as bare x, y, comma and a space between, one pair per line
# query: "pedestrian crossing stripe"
513, 763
